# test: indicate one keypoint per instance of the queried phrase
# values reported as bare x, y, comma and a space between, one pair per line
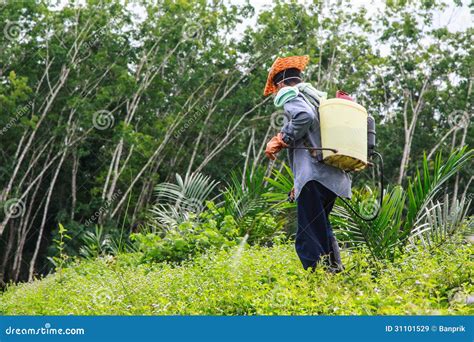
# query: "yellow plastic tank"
344, 127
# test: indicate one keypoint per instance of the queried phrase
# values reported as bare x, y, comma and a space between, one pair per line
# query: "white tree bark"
409, 129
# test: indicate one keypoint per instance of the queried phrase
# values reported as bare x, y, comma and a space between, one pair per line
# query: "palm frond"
423, 190
244, 200
95, 243
196, 186
280, 185
245, 197
177, 202
381, 236
439, 221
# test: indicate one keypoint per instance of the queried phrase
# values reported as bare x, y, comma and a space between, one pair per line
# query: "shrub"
407, 216
248, 280
244, 199
197, 234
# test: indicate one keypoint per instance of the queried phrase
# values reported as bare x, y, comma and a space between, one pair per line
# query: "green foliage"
188, 99
95, 243
424, 188
440, 221
189, 238
281, 184
390, 231
61, 258
213, 228
254, 280
244, 200
382, 236
186, 229
387, 235
176, 202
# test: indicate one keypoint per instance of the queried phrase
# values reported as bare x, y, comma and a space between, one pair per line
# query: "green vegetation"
100, 104
254, 280
133, 178
189, 238
418, 213
232, 257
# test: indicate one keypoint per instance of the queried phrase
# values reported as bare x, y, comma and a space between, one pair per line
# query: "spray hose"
380, 194
381, 183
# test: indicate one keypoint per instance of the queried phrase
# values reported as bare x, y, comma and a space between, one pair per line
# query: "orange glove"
291, 195
275, 145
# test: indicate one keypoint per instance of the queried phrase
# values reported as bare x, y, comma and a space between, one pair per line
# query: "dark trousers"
314, 237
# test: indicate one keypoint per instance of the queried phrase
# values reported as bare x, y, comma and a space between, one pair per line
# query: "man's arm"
302, 117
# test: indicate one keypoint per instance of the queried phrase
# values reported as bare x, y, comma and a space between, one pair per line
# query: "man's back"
302, 129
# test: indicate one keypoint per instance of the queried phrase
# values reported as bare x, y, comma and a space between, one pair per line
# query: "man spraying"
316, 185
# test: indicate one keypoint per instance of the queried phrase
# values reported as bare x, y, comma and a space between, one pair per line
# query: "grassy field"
252, 281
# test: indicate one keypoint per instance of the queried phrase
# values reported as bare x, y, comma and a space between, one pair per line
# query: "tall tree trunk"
45, 215
75, 168
410, 129
47, 105
6, 254
465, 121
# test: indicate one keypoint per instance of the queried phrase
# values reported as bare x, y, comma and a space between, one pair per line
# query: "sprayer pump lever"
314, 149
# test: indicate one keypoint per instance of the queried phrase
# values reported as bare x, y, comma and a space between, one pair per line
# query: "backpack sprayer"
347, 139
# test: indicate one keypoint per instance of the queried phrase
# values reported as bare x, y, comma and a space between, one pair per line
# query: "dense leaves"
254, 280
100, 102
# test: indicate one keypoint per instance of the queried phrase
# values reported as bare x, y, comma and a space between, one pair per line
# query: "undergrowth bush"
209, 229
248, 280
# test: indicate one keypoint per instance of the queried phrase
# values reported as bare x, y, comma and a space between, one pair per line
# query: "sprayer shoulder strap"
307, 142
312, 102
310, 99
